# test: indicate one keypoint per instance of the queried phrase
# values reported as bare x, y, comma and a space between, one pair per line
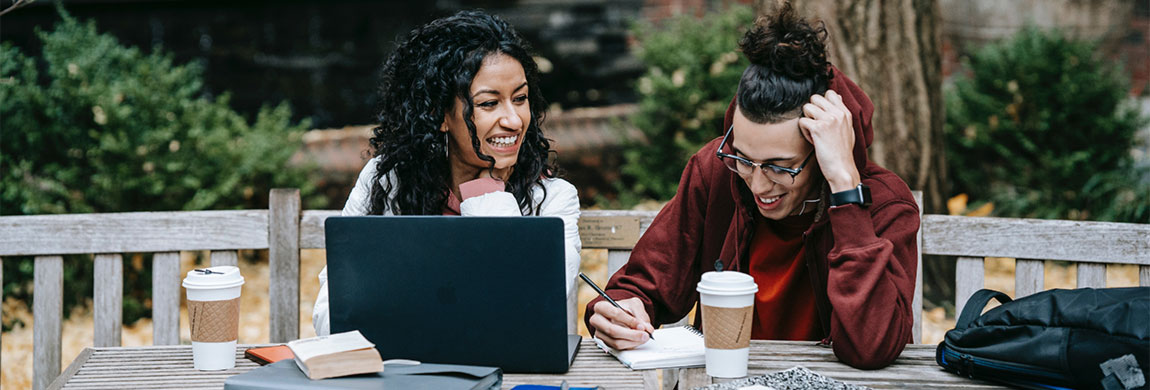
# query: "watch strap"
859, 195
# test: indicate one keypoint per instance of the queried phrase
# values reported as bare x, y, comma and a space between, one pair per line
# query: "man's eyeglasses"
745, 167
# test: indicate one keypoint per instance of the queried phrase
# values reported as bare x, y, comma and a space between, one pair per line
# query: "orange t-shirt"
785, 303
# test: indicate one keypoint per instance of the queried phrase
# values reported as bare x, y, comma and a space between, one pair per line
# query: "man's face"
782, 144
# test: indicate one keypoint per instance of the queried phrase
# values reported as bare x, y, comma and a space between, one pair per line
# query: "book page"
305, 349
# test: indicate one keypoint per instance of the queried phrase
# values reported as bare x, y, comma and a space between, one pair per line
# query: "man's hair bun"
787, 44
788, 64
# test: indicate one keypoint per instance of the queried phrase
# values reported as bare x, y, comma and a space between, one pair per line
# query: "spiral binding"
694, 330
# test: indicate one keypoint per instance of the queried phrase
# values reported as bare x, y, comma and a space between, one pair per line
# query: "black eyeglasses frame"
762, 166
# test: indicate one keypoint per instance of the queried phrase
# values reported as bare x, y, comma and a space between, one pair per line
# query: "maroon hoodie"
862, 261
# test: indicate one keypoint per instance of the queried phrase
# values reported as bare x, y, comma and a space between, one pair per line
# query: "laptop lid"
456, 290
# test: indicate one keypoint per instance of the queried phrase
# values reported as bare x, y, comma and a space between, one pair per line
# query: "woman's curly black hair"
421, 81
788, 64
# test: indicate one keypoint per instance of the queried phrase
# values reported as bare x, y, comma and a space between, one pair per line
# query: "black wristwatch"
859, 195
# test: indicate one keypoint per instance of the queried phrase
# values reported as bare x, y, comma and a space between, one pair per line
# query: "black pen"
604, 295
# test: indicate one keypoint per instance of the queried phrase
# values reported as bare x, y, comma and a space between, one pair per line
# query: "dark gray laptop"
485, 291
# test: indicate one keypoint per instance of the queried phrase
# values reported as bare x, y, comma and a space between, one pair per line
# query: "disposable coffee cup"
728, 300
214, 313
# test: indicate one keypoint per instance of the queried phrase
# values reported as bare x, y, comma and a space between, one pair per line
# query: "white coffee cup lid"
223, 276
727, 283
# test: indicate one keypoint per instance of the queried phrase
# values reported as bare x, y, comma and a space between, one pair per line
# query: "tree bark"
892, 49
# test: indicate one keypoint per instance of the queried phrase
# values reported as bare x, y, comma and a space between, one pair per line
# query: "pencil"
604, 295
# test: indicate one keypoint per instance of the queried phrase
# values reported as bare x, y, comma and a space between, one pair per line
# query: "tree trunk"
892, 49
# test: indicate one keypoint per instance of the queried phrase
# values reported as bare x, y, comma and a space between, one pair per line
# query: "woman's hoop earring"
445, 146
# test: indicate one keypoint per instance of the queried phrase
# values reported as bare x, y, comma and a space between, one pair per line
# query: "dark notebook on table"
285, 375
487, 291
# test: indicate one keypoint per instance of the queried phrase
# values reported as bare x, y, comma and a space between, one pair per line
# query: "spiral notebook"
680, 346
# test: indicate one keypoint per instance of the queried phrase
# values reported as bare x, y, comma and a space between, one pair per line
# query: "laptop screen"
460, 290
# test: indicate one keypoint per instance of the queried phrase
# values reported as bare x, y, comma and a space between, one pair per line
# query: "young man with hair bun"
788, 196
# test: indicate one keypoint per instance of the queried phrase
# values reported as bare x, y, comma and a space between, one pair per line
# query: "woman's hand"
618, 329
827, 125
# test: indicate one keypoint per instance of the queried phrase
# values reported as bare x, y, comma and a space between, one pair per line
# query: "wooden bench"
284, 229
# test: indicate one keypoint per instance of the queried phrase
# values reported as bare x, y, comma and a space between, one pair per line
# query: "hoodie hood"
857, 102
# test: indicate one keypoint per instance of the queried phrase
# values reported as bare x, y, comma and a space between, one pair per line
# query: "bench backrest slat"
107, 297
969, 273
1029, 277
283, 264
47, 310
133, 232
311, 228
616, 258
1092, 275
166, 298
1079, 241
225, 257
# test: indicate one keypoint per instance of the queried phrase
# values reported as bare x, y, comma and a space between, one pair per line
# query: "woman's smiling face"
501, 113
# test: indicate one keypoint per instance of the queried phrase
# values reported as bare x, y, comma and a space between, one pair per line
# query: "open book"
680, 346
340, 354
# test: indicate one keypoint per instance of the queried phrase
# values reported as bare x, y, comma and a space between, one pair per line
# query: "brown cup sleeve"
727, 327
214, 321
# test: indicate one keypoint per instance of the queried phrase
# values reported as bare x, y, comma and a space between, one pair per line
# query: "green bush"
1042, 127
693, 70
95, 126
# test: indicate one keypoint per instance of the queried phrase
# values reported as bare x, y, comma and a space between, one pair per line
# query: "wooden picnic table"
158, 367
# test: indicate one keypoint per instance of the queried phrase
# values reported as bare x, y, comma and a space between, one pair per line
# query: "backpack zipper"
969, 363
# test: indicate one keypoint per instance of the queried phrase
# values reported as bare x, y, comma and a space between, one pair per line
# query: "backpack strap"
975, 304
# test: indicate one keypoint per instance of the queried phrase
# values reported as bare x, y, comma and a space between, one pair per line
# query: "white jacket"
562, 201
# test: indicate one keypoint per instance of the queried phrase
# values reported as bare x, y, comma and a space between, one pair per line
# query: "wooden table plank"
170, 366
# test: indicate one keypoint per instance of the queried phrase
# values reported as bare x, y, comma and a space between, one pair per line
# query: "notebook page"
674, 346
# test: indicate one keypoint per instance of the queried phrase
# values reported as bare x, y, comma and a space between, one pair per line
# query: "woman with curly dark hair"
787, 196
460, 134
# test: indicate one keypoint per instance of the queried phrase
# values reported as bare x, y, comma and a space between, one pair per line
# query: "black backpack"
1080, 339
